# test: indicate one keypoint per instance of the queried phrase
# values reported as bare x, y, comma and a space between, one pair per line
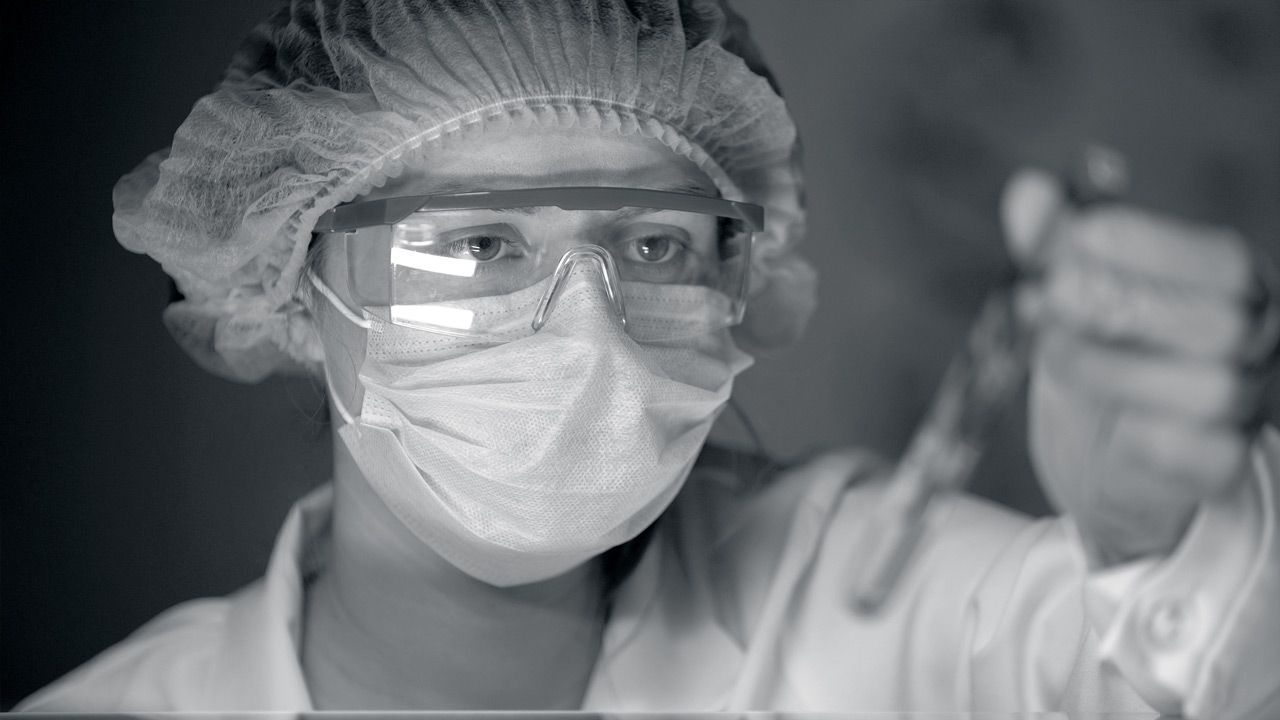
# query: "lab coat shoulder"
988, 616
162, 666
748, 526
977, 579
232, 653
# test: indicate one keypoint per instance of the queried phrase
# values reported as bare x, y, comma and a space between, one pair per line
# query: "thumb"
1030, 204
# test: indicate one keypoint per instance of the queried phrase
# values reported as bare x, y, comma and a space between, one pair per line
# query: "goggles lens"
432, 269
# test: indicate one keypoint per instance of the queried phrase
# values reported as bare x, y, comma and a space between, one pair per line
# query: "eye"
652, 244
483, 247
653, 248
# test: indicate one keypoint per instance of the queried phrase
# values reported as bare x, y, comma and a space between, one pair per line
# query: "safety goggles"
429, 261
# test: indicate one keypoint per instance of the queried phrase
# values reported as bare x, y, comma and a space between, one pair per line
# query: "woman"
523, 244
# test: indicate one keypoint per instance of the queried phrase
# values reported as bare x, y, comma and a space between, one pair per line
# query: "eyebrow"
690, 187
453, 187
623, 213
685, 186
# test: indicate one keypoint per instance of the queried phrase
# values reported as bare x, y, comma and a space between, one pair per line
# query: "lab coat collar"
665, 648
662, 648
259, 666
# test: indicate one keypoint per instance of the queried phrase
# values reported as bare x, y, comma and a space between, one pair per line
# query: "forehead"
547, 157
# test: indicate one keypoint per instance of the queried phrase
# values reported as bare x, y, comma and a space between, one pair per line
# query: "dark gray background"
135, 481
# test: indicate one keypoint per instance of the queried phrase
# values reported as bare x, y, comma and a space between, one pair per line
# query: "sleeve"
1198, 633
161, 666
999, 613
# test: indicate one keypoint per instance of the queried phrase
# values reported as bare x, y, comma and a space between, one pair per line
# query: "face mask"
518, 461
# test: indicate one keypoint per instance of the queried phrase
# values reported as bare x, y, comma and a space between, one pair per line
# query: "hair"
317, 255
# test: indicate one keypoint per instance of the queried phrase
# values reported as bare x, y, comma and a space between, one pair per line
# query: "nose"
588, 256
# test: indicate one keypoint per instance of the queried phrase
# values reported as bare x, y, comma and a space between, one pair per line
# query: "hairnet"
326, 100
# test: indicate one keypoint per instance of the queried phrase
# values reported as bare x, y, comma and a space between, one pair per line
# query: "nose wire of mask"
518, 460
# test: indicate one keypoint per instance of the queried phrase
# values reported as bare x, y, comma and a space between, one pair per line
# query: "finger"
1127, 511
1118, 306
1198, 391
1262, 347
1139, 517
1028, 207
1210, 259
1159, 470
1195, 460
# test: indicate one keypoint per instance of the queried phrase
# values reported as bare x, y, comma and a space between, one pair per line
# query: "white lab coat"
739, 603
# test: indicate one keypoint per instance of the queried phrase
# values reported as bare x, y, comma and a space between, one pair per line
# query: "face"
508, 242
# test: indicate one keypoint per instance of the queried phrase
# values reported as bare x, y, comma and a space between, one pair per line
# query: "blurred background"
134, 481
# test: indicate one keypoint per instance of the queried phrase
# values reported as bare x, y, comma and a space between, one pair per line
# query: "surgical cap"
328, 99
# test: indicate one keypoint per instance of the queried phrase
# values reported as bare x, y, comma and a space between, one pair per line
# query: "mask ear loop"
338, 405
336, 301
365, 323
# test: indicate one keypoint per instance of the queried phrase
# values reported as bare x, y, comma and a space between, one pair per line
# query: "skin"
389, 624
1146, 383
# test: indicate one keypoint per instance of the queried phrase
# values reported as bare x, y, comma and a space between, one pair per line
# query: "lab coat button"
1167, 623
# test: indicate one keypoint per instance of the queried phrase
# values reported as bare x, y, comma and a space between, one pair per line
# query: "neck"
390, 624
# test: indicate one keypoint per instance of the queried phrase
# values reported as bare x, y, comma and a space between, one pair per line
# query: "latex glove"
1146, 381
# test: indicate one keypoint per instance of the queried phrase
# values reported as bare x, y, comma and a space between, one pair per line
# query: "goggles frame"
389, 211
349, 218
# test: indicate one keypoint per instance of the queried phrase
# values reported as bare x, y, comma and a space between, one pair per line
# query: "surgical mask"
518, 461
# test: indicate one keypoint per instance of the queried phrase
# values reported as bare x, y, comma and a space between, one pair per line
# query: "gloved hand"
1155, 337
